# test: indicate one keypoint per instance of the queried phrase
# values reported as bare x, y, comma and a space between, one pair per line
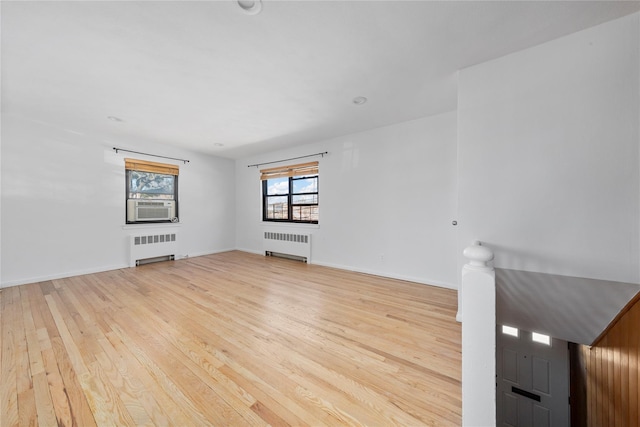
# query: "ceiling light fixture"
359, 100
250, 7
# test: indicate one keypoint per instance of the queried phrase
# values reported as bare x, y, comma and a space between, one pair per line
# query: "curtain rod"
286, 160
152, 155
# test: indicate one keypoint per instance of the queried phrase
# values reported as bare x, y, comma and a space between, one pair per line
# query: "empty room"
262, 212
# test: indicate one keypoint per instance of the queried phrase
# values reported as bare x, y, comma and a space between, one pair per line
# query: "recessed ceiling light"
115, 119
217, 144
359, 100
250, 7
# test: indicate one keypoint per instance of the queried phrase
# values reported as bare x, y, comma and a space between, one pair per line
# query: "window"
541, 338
290, 193
151, 191
510, 330
147, 185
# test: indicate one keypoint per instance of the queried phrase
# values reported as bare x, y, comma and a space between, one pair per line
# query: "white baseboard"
251, 251
38, 279
420, 280
55, 276
197, 254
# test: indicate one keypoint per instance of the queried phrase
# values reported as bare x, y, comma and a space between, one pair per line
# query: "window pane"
278, 186
277, 208
291, 199
510, 330
306, 185
150, 185
305, 213
305, 199
541, 338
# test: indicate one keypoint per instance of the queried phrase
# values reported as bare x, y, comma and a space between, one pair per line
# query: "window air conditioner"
151, 210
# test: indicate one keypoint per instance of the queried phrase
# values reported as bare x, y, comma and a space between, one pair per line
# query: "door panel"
510, 365
525, 413
532, 381
541, 416
540, 375
510, 406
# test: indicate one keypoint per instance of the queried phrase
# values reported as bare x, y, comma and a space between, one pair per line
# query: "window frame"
142, 166
290, 173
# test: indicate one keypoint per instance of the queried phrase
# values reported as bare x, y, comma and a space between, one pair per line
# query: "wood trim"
578, 387
613, 372
151, 167
616, 319
309, 168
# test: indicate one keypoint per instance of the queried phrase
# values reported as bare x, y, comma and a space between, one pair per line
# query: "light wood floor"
229, 339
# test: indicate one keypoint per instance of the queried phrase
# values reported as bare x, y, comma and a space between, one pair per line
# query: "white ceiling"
197, 74
574, 309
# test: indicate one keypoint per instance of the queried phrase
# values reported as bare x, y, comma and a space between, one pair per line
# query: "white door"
532, 381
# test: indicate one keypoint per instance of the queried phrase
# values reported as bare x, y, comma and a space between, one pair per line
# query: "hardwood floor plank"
157, 336
268, 415
272, 403
205, 368
260, 347
153, 394
230, 339
163, 381
24, 381
44, 404
336, 415
10, 357
57, 389
27, 409
144, 409
102, 406
108, 397
36, 365
69, 401
71, 346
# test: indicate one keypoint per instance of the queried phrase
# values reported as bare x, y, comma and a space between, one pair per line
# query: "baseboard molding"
251, 251
39, 279
198, 254
420, 280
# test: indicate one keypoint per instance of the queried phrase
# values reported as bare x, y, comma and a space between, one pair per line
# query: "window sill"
288, 225
151, 225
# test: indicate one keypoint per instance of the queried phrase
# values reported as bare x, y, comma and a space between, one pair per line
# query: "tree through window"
151, 191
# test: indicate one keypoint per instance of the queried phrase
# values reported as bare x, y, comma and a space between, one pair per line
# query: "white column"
478, 338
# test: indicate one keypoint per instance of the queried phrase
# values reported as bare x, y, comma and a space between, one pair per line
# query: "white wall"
387, 199
548, 155
63, 196
548, 178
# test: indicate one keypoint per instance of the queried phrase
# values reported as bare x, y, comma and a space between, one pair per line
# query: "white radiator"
288, 244
152, 246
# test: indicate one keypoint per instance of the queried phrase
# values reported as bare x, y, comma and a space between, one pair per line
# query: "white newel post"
478, 338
